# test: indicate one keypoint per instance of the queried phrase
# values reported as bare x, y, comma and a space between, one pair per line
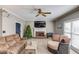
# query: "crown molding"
10, 12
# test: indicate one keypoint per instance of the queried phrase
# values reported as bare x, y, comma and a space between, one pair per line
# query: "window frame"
71, 33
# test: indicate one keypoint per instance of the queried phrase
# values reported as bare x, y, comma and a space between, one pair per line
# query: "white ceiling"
28, 12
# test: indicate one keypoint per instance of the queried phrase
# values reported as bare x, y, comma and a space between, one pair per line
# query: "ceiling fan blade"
39, 10
47, 12
37, 15
44, 15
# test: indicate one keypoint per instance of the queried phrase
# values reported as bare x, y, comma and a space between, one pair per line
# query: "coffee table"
32, 48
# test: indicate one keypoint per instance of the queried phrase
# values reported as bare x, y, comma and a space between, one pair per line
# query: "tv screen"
39, 24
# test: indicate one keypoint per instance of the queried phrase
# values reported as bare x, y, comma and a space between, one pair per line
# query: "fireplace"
40, 34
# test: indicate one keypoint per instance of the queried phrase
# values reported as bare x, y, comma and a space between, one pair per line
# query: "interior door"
18, 28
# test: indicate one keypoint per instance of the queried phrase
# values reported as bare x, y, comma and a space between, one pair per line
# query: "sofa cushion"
17, 39
2, 40
65, 38
11, 42
3, 48
9, 38
53, 44
16, 36
56, 37
16, 48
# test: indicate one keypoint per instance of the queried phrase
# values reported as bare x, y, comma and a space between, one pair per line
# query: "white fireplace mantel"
39, 30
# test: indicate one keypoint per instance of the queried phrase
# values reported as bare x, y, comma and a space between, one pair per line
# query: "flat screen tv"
39, 24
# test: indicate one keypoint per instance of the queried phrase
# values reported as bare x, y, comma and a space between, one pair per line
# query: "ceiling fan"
42, 13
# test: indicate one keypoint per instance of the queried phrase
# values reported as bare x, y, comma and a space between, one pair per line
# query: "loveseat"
11, 44
56, 46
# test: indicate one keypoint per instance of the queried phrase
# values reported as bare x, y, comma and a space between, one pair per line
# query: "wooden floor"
42, 46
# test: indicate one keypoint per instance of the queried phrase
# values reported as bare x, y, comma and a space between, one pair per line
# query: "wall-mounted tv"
39, 24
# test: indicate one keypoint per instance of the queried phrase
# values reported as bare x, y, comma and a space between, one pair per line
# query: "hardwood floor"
42, 46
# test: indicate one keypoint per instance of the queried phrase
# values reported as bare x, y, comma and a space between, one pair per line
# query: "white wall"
49, 26
0, 22
9, 24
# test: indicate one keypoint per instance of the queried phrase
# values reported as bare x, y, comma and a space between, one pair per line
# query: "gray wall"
60, 22
0, 22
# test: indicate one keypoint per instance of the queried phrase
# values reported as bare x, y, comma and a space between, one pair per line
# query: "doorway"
18, 28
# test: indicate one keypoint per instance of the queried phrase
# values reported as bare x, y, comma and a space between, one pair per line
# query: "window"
67, 29
75, 27
71, 29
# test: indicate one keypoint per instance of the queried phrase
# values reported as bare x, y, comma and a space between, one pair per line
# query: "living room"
43, 25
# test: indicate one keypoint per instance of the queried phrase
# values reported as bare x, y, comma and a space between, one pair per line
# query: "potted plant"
27, 32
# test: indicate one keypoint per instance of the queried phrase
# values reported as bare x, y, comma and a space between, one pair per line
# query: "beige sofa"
53, 45
12, 44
